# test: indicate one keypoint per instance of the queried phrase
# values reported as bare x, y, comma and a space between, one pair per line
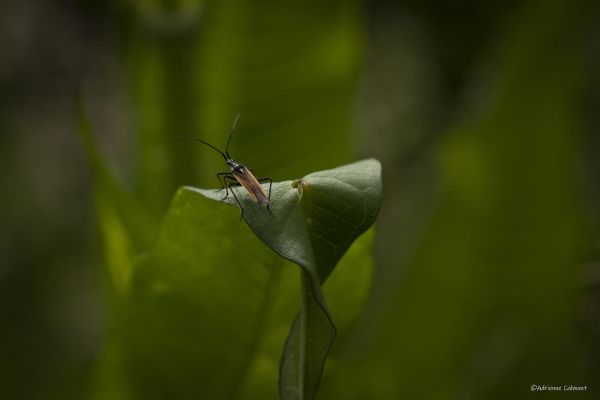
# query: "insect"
239, 175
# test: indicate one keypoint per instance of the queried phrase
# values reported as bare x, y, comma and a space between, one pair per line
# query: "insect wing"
251, 184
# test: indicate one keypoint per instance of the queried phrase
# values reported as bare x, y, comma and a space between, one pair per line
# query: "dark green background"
483, 114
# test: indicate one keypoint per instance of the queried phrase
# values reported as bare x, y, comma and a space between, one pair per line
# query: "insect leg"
261, 180
221, 177
229, 185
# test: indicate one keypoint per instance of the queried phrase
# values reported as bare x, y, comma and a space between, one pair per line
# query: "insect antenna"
231, 133
206, 143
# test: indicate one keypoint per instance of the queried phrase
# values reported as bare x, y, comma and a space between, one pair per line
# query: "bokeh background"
485, 118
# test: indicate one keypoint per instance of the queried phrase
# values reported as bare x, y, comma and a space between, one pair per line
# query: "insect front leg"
221, 177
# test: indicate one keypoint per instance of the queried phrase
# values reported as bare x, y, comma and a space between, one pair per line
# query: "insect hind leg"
270, 180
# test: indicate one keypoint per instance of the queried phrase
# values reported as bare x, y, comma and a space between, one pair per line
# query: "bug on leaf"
239, 175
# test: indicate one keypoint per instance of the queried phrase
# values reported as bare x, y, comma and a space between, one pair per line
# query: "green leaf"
209, 291
199, 303
339, 205
312, 223
126, 226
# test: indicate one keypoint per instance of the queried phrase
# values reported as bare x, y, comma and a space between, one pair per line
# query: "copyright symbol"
533, 388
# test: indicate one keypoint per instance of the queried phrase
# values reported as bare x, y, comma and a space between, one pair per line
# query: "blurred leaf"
348, 287
291, 70
162, 66
488, 298
125, 225
205, 296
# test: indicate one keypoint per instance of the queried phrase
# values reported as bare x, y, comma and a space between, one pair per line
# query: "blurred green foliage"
486, 268
501, 257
